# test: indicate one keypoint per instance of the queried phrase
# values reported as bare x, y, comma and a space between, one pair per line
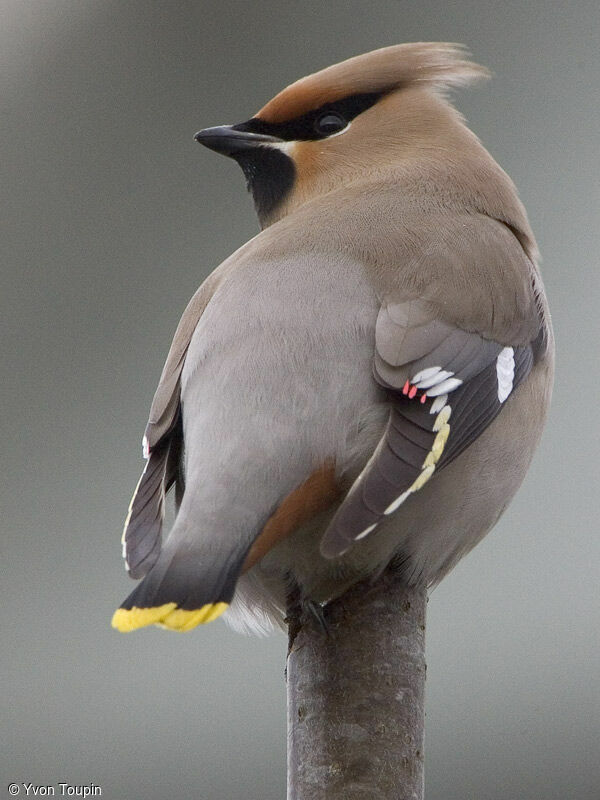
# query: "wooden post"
356, 695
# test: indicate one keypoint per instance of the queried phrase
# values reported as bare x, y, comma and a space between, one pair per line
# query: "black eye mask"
319, 123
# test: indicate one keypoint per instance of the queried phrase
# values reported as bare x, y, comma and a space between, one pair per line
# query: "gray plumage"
400, 254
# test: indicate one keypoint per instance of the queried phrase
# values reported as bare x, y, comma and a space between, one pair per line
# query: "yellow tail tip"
166, 616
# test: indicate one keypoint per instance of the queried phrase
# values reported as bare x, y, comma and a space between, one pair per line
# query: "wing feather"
163, 447
444, 390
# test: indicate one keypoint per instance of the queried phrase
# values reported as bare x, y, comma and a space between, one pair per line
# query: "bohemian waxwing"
363, 382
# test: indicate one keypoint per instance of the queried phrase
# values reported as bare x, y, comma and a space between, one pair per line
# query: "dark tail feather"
181, 591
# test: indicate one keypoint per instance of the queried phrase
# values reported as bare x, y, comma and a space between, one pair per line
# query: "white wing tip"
366, 532
444, 387
397, 503
505, 372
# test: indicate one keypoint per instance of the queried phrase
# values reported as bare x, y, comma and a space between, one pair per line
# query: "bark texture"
356, 695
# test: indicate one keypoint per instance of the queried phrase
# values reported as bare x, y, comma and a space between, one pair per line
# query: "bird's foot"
317, 612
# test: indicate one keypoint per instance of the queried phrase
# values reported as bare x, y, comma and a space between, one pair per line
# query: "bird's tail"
182, 590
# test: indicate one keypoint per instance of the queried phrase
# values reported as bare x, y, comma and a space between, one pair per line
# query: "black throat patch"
270, 176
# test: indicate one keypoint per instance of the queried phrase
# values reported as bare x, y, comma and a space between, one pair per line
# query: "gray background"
113, 217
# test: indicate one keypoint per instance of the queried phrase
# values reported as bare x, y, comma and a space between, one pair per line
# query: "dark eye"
329, 122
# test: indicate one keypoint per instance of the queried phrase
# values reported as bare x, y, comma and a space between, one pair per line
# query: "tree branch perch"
356, 695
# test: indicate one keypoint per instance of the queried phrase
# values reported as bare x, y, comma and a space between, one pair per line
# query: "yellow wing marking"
442, 430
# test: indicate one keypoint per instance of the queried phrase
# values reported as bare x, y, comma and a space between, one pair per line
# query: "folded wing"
446, 385
163, 447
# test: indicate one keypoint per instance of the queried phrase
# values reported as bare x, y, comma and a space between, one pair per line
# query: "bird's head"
346, 122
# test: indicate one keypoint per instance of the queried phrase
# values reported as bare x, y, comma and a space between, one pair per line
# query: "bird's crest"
436, 64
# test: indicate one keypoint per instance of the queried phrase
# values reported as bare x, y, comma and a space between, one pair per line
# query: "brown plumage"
318, 493
388, 69
364, 381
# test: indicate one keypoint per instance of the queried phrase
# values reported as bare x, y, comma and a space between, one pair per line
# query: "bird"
363, 384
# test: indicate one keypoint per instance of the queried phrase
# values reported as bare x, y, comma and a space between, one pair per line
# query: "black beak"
226, 140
